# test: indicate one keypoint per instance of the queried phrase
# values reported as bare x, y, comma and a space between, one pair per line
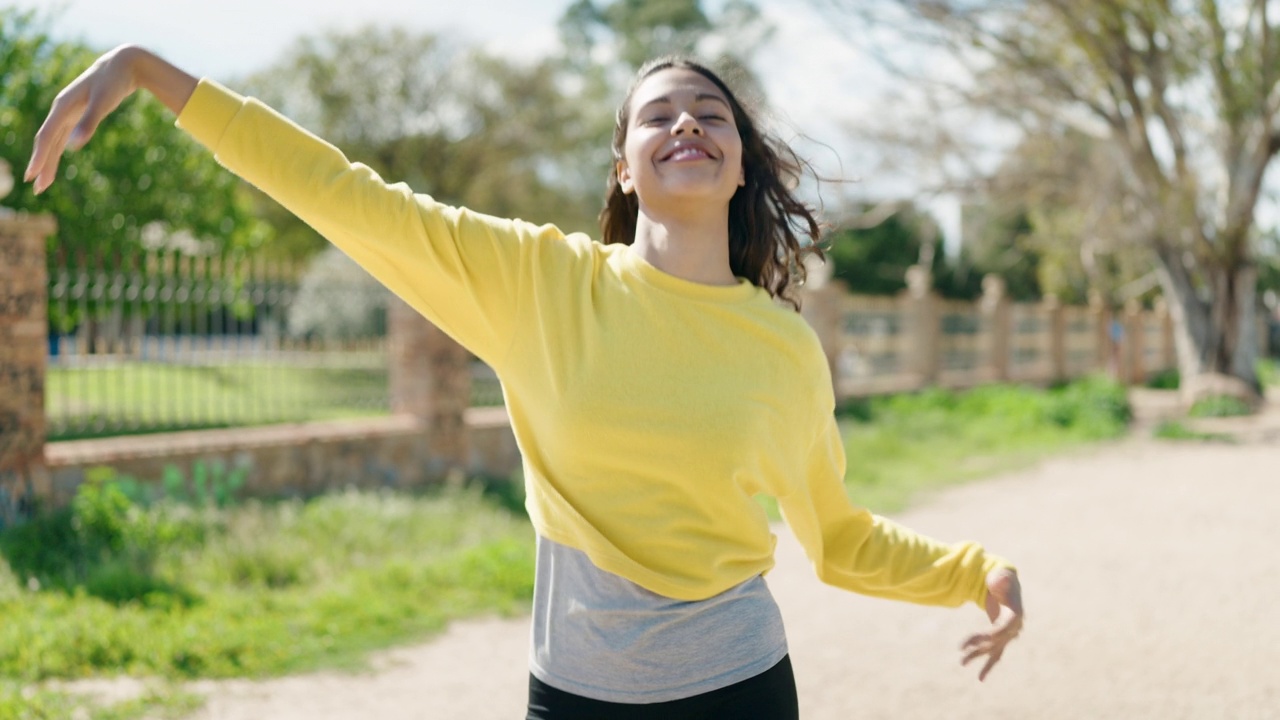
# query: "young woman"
656, 383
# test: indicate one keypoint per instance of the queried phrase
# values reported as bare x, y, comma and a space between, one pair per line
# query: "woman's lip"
695, 153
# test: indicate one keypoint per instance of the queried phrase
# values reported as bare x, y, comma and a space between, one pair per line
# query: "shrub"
1220, 406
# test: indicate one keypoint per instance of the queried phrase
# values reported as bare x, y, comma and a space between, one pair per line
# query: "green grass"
901, 445
1269, 372
179, 586
179, 592
1220, 406
1175, 430
19, 702
152, 397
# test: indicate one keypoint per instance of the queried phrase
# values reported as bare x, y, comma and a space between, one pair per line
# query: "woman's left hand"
1004, 607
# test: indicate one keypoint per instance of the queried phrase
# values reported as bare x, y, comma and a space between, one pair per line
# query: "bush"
110, 586
1169, 379
1220, 406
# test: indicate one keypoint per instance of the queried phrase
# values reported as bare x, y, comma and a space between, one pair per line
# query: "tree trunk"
1217, 336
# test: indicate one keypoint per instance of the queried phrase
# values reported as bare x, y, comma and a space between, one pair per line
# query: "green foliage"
899, 445
1169, 379
1269, 372
464, 127
254, 588
34, 703
1220, 406
138, 170
874, 260
1175, 430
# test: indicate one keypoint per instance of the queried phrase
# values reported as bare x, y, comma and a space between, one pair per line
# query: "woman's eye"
711, 117
653, 121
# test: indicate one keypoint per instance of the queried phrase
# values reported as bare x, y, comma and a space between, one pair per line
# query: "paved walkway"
1151, 577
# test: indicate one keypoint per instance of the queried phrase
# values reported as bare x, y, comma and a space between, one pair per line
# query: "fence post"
24, 345
1057, 338
1134, 344
1168, 348
1106, 352
996, 315
430, 378
922, 325
821, 304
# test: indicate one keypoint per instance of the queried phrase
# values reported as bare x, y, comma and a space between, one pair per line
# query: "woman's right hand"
82, 105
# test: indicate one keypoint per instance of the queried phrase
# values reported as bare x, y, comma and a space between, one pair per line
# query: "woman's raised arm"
92, 96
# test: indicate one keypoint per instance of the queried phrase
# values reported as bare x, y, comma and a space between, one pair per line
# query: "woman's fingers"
52, 137
75, 115
992, 644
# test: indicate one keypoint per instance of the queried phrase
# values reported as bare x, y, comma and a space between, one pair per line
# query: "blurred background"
1049, 224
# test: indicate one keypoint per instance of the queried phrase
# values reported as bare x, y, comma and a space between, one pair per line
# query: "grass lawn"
176, 591
153, 397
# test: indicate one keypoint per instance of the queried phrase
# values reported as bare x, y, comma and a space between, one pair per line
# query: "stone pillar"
1107, 357
996, 315
24, 346
1134, 343
922, 325
1057, 338
430, 378
1168, 345
823, 308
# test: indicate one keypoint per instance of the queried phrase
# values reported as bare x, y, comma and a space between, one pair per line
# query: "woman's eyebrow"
666, 100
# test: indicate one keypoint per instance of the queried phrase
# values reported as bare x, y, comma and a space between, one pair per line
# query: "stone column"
23, 347
430, 378
1057, 338
996, 315
823, 307
1134, 343
922, 325
1107, 353
1168, 345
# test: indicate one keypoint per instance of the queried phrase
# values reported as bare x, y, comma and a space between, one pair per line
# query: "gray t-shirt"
600, 636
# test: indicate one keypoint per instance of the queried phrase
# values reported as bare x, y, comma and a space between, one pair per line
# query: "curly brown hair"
765, 216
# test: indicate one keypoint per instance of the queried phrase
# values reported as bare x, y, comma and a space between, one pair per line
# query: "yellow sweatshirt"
650, 410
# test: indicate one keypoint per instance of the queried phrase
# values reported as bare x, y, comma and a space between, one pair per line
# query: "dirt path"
1151, 573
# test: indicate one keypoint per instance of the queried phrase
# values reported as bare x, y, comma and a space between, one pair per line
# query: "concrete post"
1107, 355
922, 325
823, 308
1134, 345
1057, 338
430, 378
1168, 346
24, 344
996, 315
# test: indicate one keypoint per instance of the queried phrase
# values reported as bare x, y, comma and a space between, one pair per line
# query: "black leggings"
771, 695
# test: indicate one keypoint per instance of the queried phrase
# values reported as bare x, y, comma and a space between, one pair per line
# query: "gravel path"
1151, 577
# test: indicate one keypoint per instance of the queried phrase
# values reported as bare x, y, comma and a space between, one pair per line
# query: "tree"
871, 254
605, 43
466, 128
140, 171
1185, 96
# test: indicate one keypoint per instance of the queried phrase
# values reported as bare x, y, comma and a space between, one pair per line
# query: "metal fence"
176, 342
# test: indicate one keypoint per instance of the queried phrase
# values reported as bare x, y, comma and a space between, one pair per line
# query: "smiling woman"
655, 382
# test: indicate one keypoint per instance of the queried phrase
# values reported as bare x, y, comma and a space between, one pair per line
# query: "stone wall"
23, 347
299, 460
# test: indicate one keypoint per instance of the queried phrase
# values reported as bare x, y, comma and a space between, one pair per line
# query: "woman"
655, 383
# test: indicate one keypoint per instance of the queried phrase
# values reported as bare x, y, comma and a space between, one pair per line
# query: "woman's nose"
686, 123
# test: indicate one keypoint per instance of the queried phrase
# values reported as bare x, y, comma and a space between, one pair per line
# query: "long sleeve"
460, 269
853, 549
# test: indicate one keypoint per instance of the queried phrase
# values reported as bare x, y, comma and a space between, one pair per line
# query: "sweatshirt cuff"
209, 112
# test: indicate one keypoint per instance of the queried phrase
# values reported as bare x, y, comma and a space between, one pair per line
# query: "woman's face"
682, 144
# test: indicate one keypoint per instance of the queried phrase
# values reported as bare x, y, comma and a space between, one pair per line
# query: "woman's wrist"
148, 71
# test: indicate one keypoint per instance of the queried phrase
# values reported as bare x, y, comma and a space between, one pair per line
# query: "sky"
815, 79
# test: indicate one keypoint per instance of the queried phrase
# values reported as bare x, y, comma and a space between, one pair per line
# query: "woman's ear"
624, 178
